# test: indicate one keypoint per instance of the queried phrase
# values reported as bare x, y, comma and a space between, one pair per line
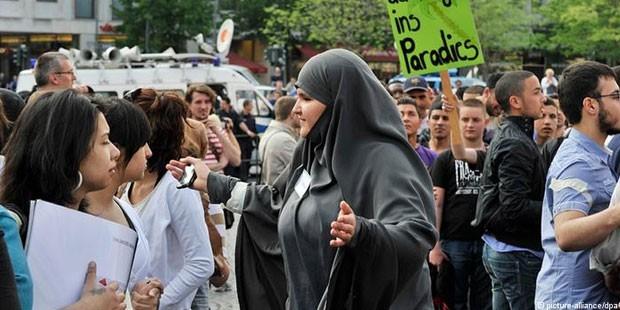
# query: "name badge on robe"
303, 183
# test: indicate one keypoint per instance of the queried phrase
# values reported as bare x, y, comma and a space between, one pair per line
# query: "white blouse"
181, 256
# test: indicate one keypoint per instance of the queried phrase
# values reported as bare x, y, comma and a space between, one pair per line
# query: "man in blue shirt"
575, 215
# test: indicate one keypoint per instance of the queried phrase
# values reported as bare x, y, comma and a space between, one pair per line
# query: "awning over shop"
307, 51
236, 59
376, 55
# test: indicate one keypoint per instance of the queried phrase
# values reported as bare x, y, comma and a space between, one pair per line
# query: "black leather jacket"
513, 185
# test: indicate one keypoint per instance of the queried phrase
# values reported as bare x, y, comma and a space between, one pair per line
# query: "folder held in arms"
606, 255
60, 244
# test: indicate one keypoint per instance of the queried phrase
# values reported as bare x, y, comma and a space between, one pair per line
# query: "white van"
171, 76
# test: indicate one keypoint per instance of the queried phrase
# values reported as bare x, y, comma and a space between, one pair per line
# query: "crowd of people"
371, 196
522, 194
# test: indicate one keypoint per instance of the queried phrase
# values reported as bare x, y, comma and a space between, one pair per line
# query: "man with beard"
546, 127
575, 215
494, 109
614, 143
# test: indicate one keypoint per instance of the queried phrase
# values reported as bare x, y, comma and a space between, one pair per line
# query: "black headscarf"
359, 145
360, 132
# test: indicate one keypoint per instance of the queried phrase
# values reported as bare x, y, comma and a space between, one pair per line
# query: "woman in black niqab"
357, 152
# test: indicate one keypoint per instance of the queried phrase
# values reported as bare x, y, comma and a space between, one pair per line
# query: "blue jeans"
471, 282
201, 300
513, 278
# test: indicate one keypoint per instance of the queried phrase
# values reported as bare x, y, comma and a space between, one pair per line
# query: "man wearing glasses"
53, 71
576, 214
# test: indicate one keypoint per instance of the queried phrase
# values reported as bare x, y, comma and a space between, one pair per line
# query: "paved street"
227, 300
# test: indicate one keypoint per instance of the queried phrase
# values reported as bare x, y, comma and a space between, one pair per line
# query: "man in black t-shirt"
456, 179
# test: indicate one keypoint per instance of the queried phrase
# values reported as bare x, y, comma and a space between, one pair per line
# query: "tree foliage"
578, 28
331, 23
169, 22
503, 26
250, 15
567, 27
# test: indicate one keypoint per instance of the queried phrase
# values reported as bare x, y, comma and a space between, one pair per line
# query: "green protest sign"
434, 35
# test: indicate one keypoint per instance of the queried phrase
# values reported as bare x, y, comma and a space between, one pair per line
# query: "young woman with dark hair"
129, 132
59, 152
173, 219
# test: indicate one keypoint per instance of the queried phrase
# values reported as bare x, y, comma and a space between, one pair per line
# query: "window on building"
115, 7
85, 8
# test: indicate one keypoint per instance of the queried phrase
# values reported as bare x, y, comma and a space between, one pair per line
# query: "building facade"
31, 27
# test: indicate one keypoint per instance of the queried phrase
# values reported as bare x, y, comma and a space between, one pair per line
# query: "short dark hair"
46, 64
247, 102
129, 126
13, 104
284, 106
511, 84
493, 78
617, 72
460, 91
44, 153
475, 89
579, 81
437, 105
408, 100
166, 113
549, 102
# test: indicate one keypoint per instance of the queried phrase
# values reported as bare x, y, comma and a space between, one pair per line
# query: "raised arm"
459, 150
575, 230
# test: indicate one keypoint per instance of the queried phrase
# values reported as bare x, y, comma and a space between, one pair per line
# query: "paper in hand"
606, 254
60, 244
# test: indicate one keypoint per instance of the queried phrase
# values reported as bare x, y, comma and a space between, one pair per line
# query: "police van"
120, 71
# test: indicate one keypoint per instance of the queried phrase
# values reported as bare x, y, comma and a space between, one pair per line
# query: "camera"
188, 177
226, 121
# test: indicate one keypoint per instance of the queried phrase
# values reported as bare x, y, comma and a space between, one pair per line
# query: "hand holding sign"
434, 35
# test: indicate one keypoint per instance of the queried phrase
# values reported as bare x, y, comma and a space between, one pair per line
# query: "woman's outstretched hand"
343, 228
176, 168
